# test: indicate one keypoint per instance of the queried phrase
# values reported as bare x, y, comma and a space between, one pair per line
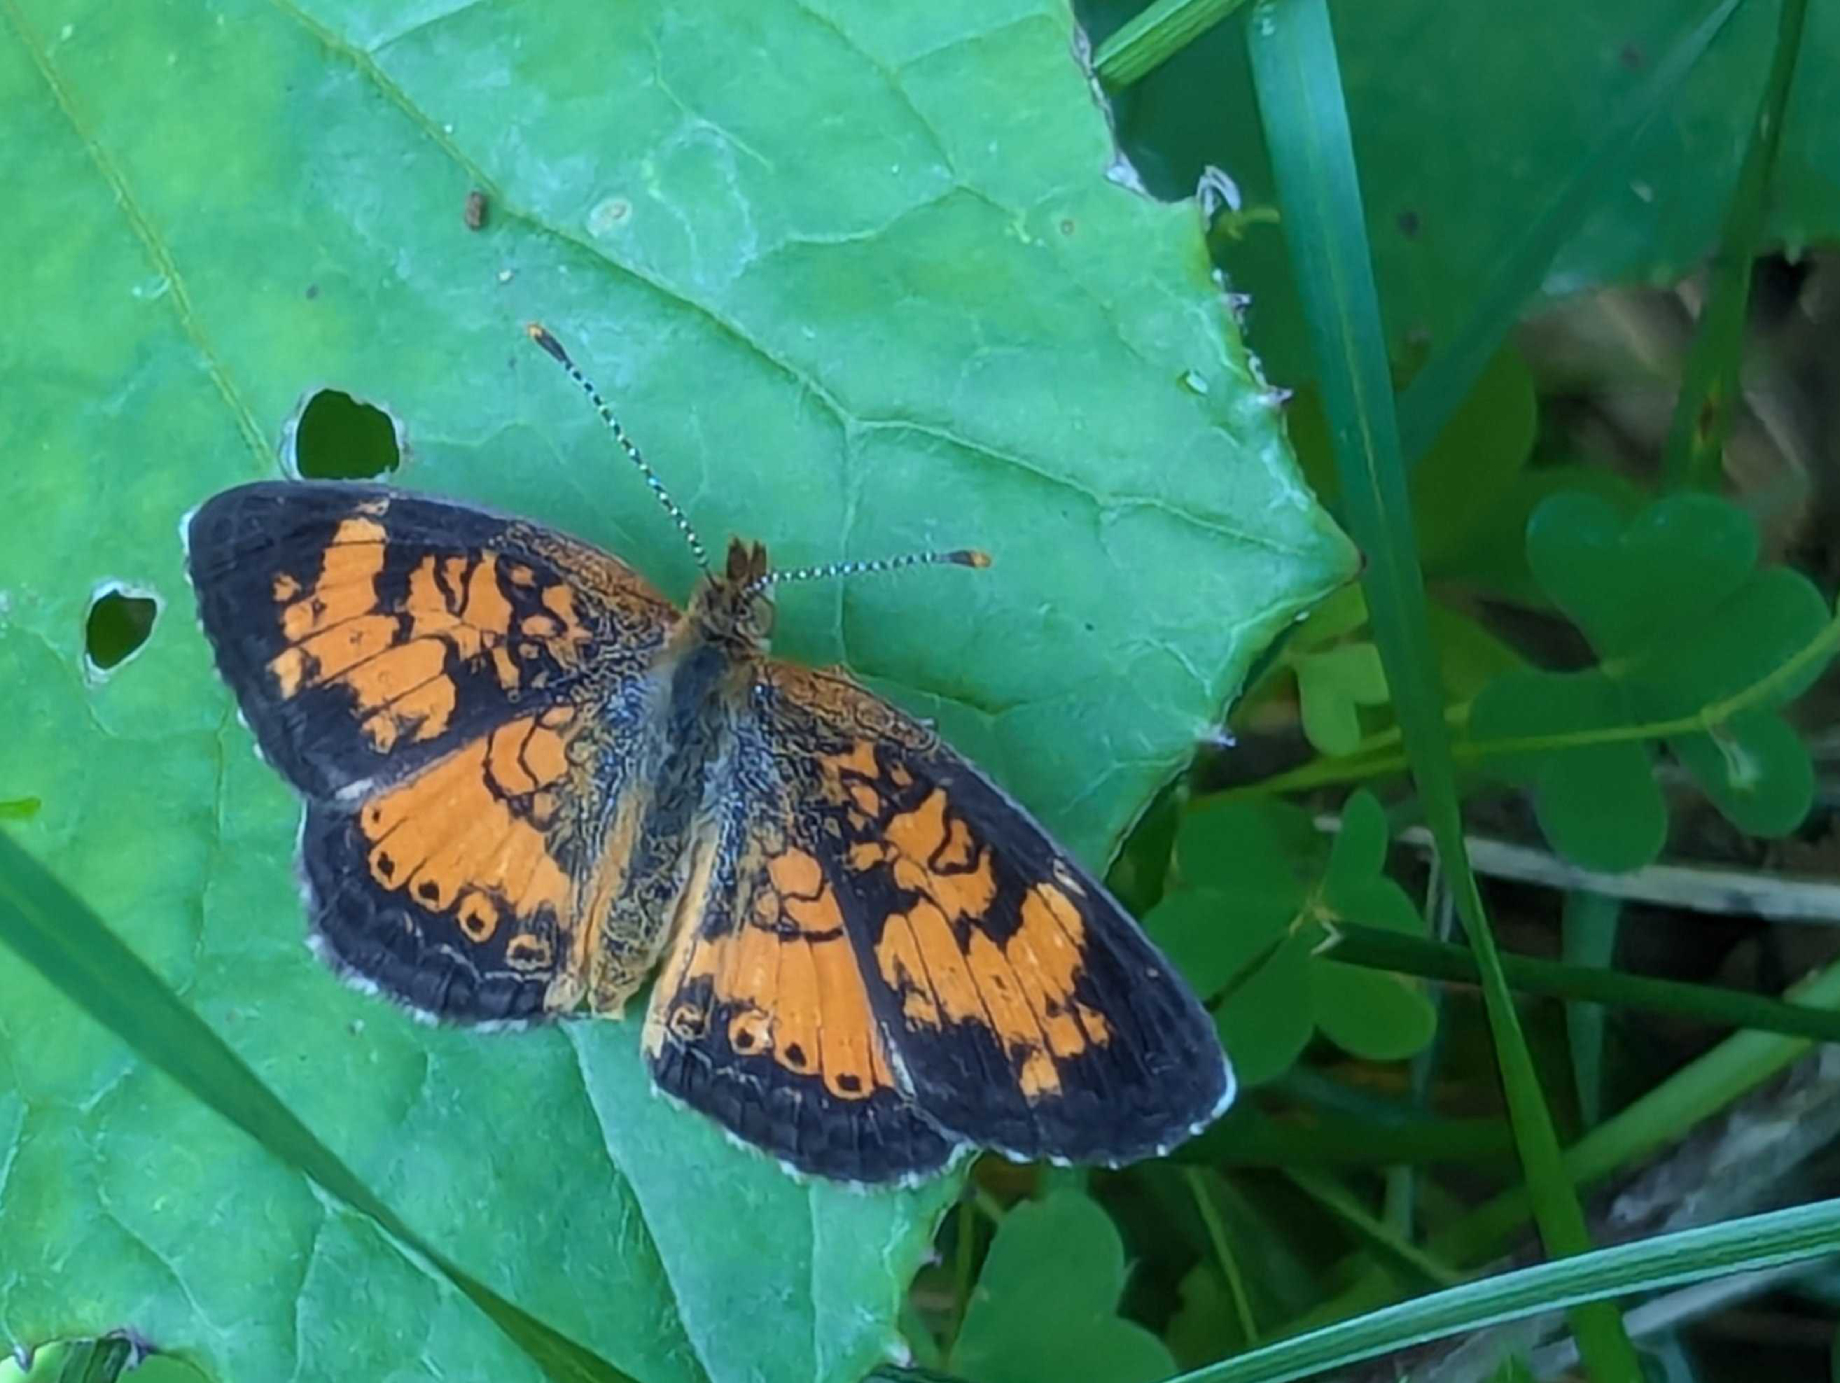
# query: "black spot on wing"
415, 956
880, 1138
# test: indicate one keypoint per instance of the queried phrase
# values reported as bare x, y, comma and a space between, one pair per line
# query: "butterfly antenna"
962, 557
554, 347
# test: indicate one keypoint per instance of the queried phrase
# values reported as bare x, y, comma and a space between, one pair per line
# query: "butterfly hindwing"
423, 673
1008, 1000
459, 889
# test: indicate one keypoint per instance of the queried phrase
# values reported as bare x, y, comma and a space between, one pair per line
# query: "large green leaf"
860, 282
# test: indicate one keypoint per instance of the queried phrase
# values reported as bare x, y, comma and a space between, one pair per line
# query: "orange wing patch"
1021, 989
433, 678
934, 856
784, 984
466, 838
397, 660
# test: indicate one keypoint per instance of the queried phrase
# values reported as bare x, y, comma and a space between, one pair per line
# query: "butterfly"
531, 783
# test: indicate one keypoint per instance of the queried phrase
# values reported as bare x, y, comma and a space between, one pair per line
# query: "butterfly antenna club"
553, 347
959, 557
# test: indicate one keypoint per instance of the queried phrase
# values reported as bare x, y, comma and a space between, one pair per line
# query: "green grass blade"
1426, 405
1436, 960
1225, 1260
1669, 1111
59, 936
1588, 934
1704, 1086
1400, 1207
1709, 387
1155, 36
1743, 1245
1385, 1242
1306, 122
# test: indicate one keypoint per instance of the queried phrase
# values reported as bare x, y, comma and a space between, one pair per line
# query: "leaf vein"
142, 227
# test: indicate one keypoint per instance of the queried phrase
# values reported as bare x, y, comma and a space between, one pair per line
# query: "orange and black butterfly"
531, 783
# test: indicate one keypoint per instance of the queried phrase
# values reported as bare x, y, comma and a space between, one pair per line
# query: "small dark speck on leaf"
608, 215
1631, 57
312, 291
475, 213
339, 438
1408, 224
1067, 226
118, 624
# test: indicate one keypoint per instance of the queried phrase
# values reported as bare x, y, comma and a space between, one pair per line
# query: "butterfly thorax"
704, 677
679, 755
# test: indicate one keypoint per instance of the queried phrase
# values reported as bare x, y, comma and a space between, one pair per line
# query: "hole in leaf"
338, 438
119, 622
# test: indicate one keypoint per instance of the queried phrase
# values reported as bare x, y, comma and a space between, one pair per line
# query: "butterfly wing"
367, 631
905, 962
438, 681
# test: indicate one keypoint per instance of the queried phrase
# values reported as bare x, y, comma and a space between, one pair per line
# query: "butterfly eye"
761, 612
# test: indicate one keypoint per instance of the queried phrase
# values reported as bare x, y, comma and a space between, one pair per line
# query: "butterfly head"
735, 607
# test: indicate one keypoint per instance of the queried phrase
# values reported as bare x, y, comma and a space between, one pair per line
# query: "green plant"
861, 283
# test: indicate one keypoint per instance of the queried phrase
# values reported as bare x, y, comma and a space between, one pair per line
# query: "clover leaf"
1251, 925
1697, 649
